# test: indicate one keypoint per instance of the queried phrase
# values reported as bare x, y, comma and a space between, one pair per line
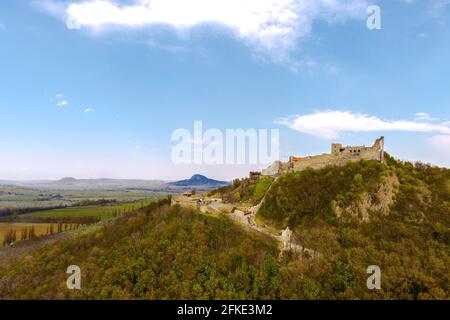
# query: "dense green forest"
169, 252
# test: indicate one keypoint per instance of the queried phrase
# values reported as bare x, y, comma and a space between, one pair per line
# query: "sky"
95, 88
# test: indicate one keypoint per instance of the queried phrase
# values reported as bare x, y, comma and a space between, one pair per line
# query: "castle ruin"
339, 156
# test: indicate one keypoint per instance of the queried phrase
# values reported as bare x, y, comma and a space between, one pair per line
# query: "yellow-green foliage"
97, 212
411, 244
157, 253
162, 252
12, 232
245, 190
261, 187
311, 192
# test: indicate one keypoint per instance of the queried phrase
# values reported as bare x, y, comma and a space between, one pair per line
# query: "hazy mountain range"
197, 181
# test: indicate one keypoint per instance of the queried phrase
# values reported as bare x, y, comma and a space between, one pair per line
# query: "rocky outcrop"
368, 204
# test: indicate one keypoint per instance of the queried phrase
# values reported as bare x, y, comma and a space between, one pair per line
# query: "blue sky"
95, 88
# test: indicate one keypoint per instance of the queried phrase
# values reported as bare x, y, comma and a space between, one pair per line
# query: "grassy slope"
98, 212
244, 191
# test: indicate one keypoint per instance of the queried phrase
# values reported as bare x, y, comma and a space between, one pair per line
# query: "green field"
42, 221
14, 198
102, 212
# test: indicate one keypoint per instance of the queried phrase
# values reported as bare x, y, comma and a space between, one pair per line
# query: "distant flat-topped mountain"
199, 180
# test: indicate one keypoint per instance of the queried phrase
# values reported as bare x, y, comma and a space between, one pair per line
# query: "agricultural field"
43, 223
42, 209
12, 199
23, 230
100, 212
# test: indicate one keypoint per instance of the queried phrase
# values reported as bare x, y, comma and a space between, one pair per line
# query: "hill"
361, 192
394, 214
67, 180
198, 180
158, 252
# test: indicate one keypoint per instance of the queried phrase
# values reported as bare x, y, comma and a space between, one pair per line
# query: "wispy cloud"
62, 103
422, 35
423, 116
438, 7
60, 100
87, 110
330, 124
165, 47
271, 27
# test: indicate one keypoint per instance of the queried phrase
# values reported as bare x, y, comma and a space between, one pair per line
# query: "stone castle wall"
339, 156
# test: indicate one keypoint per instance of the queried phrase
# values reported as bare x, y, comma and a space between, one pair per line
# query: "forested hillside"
160, 252
412, 193
394, 215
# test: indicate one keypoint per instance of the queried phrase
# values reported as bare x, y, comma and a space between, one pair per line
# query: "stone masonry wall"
337, 157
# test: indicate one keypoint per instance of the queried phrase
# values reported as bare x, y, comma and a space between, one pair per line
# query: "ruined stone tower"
339, 156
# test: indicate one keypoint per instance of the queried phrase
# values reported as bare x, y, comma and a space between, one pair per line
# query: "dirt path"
283, 238
247, 220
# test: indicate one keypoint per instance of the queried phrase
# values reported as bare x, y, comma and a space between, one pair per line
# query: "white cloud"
62, 103
423, 116
88, 110
272, 27
331, 124
60, 100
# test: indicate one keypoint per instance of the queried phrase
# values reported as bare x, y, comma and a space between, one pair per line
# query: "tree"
10, 237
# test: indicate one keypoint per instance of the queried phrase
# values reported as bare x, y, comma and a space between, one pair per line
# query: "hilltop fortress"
339, 156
